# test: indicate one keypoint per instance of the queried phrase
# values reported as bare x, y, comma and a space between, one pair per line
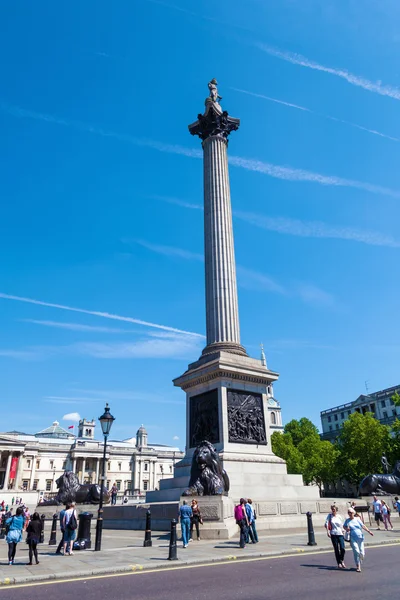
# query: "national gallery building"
33, 462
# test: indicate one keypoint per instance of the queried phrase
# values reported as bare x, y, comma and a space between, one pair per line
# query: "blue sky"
101, 194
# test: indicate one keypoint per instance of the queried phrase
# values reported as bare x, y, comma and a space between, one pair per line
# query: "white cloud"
177, 202
266, 168
357, 80
74, 417
253, 280
176, 437
312, 294
171, 251
95, 313
328, 117
77, 326
316, 229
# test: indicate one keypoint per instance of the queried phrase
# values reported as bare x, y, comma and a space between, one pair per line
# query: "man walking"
251, 516
185, 514
377, 504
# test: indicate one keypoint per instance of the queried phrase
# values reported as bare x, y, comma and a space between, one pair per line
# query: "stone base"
217, 513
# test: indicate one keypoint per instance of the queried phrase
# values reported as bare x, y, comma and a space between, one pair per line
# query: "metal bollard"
42, 518
53, 535
310, 529
173, 550
147, 536
3, 528
84, 541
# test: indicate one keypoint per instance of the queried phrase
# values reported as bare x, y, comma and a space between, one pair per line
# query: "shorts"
69, 535
378, 517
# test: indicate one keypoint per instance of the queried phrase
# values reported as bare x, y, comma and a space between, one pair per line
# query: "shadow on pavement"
328, 568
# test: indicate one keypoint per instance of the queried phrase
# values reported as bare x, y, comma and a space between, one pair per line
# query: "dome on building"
54, 431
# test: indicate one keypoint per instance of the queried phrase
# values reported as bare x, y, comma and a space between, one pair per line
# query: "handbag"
347, 536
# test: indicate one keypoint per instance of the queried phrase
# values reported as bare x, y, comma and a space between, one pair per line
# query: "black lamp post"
106, 420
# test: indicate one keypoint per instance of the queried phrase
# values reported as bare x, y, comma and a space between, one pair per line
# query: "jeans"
185, 526
195, 521
113, 498
243, 532
253, 530
339, 547
33, 551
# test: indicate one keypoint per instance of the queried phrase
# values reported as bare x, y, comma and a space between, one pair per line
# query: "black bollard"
42, 518
3, 528
173, 550
310, 529
53, 535
147, 536
83, 541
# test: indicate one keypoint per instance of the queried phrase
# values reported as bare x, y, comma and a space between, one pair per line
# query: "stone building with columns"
33, 462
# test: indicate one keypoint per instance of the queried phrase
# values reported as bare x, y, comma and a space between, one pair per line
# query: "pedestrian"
334, 529
70, 523
377, 504
34, 530
396, 504
6, 508
61, 519
386, 515
14, 525
12, 501
242, 521
185, 514
27, 516
114, 493
195, 521
355, 527
250, 517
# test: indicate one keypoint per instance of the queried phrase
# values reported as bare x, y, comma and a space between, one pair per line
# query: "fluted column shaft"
222, 314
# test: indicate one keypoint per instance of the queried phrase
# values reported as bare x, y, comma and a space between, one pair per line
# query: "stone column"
32, 477
74, 465
83, 469
97, 470
222, 315
7, 475
19, 471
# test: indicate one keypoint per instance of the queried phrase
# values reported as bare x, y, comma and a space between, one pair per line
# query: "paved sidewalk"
123, 551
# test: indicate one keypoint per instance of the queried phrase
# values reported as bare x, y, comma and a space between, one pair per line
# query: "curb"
135, 568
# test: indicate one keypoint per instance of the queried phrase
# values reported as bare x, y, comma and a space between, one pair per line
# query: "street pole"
99, 524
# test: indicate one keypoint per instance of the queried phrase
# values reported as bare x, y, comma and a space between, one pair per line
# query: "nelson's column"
227, 392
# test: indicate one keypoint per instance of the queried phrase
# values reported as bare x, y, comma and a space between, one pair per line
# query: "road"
305, 576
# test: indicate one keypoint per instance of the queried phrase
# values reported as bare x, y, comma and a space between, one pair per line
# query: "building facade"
379, 403
34, 462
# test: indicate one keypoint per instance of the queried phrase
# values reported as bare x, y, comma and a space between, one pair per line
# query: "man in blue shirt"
185, 514
62, 514
251, 531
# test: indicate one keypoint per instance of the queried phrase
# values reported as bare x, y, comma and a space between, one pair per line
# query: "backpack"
72, 523
239, 512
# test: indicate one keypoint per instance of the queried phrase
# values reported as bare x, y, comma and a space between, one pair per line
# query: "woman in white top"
334, 528
356, 528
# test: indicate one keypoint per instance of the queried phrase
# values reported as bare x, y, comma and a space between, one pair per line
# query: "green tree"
362, 442
321, 459
301, 430
282, 446
396, 398
394, 445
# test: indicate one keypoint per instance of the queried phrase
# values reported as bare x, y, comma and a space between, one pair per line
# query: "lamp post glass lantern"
106, 420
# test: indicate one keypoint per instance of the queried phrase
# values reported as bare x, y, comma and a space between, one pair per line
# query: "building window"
108, 484
35, 484
28, 463
273, 419
38, 464
145, 485
330, 427
48, 485
348, 413
385, 415
392, 403
52, 464
337, 425
329, 419
170, 468
109, 465
383, 403
119, 466
146, 466
394, 412
64, 465
25, 484
118, 485
335, 417
342, 415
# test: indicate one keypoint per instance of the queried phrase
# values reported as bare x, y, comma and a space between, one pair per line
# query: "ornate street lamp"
106, 420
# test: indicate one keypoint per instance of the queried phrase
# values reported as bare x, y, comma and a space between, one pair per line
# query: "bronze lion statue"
207, 477
70, 490
381, 484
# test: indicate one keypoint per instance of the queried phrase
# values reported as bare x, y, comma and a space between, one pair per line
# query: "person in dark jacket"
34, 530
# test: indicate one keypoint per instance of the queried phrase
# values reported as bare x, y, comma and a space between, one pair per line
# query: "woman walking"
14, 536
355, 526
242, 521
334, 529
195, 521
34, 530
386, 515
70, 524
